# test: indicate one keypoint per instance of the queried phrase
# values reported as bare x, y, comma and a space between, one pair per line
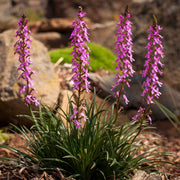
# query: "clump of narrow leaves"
99, 150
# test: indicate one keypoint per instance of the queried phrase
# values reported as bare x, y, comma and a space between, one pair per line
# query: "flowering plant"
23, 47
80, 62
152, 71
124, 60
100, 149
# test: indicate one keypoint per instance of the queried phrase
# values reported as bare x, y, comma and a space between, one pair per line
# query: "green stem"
78, 104
118, 101
141, 121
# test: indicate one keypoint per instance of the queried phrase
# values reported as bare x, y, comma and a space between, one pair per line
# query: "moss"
100, 57
3, 137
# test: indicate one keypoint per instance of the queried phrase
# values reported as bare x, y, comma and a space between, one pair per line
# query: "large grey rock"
104, 34
46, 82
170, 98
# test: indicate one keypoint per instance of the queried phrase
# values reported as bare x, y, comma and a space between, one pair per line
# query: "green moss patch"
100, 57
3, 137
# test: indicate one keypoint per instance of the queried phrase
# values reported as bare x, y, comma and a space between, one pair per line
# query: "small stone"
154, 177
177, 178
140, 175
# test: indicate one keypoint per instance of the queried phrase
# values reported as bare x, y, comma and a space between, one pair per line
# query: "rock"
103, 34
142, 1
62, 25
33, 8
46, 82
34, 26
4, 10
52, 39
6, 19
154, 177
56, 24
64, 102
97, 11
142, 175
55, 32
170, 98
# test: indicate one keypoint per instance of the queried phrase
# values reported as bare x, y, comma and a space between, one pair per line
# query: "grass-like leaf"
175, 121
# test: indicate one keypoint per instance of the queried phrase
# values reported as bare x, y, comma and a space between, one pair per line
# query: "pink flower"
80, 62
141, 114
124, 52
78, 124
153, 64
152, 71
125, 98
23, 47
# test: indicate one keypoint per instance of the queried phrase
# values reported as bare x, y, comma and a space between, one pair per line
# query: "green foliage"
100, 57
3, 136
99, 150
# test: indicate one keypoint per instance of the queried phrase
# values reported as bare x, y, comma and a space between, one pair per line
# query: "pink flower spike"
23, 46
80, 63
155, 53
152, 69
124, 53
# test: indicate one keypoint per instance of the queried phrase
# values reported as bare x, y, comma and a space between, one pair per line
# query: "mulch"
24, 173
9, 172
